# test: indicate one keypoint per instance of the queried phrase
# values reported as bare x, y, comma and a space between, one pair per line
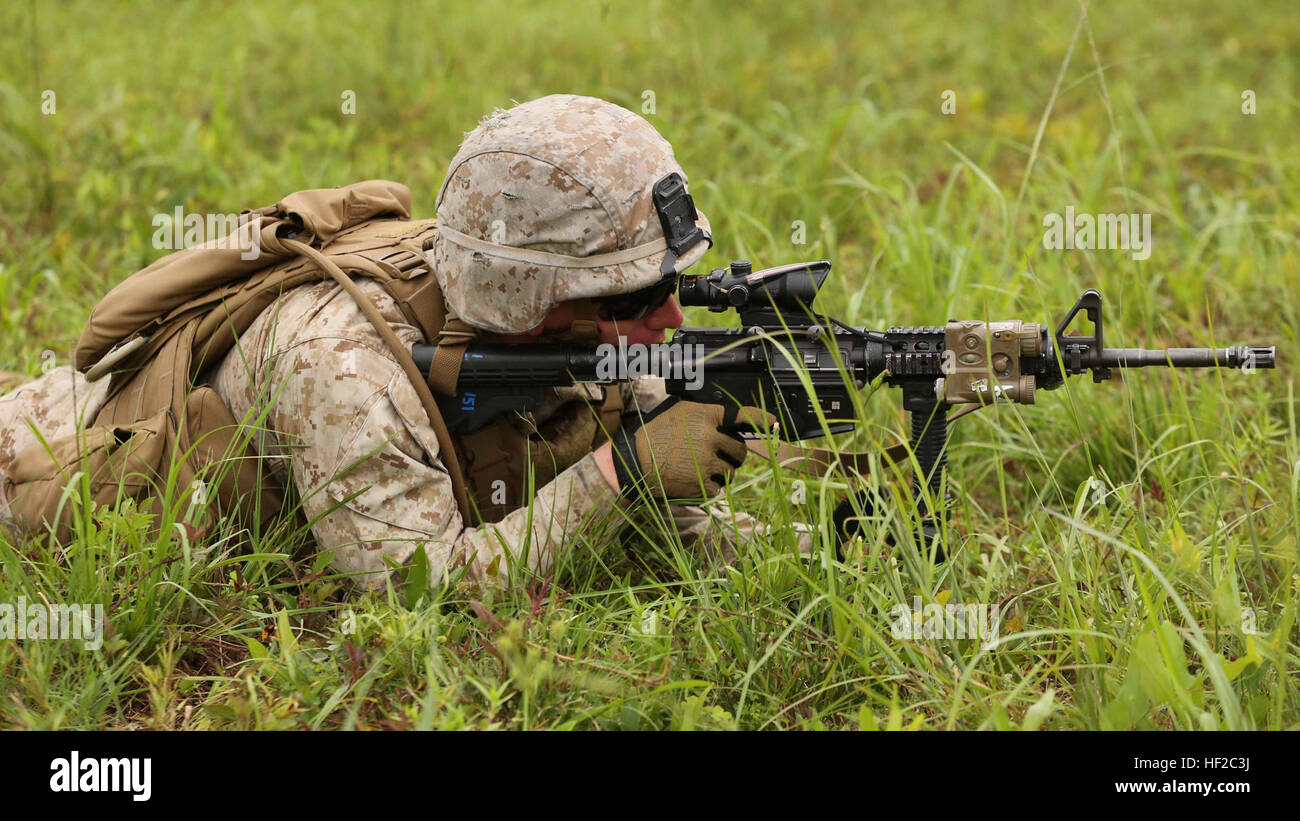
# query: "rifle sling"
820, 461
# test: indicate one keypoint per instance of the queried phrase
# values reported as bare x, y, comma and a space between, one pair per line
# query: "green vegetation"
1122, 606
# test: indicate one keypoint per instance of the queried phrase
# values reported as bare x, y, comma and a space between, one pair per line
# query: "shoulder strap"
452, 340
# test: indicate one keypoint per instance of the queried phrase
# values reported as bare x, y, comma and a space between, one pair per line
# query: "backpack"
155, 333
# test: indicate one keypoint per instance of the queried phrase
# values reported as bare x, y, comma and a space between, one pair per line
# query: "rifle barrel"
1237, 356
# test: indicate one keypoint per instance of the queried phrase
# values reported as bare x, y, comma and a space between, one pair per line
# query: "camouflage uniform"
536, 197
49, 408
344, 426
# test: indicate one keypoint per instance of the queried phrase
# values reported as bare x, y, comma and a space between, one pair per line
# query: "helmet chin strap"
584, 329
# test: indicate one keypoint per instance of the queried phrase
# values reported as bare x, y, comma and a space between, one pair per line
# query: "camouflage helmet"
561, 198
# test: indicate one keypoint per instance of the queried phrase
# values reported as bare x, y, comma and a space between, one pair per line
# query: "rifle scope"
786, 287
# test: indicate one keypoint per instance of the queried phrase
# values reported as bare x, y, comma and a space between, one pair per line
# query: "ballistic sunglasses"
638, 304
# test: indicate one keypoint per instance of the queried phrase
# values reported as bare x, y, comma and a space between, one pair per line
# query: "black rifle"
805, 366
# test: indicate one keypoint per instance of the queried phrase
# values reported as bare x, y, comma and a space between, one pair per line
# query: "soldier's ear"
560, 317
550, 322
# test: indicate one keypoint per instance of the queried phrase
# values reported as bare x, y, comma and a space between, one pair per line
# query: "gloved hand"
846, 523
844, 520
683, 450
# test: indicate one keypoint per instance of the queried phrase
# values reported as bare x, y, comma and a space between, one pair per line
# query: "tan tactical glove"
683, 450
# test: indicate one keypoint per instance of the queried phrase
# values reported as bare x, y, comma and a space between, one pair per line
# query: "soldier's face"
647, 330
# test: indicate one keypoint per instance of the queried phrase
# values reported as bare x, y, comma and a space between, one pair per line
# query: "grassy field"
1127, 601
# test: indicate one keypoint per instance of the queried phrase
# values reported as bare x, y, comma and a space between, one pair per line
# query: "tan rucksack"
156, 332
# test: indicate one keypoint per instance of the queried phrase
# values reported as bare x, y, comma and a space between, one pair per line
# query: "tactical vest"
162, 328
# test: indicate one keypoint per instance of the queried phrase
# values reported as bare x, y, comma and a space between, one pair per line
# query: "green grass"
1121, 614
